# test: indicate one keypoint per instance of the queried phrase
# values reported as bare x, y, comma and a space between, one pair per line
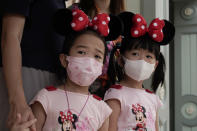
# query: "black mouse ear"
115, 27
75, 117
60, 120
62, 21
169, 32
126, 18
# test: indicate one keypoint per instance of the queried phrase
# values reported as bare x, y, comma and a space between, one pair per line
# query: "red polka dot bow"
99, 22
154, 30
137, 108
66, 117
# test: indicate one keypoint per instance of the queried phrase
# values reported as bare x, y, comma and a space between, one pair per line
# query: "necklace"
68, 119
73, 117
69, 111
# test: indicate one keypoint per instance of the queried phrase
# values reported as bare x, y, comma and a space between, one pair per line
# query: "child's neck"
131, 83
72, 87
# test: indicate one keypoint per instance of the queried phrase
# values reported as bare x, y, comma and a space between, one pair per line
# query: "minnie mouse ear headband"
160, 31
67, 21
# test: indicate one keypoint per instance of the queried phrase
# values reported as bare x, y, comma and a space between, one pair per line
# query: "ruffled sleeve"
113, 93
42, 98
159, 103
105, 112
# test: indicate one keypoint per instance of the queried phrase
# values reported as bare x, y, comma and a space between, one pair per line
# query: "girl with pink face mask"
69, 106
135, 108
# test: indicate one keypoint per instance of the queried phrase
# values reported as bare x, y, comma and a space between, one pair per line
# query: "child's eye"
81, 52
149, 57
135, 54
98, 57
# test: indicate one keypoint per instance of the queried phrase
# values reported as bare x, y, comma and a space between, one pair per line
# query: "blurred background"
179, 93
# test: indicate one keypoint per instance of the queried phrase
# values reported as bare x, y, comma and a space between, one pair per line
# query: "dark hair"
115, 7
68, 43
116, 72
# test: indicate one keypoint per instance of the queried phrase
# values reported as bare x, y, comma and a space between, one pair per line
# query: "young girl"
134, 108
91, 7
70, 106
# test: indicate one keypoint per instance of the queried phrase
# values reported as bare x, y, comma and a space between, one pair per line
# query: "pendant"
67, 120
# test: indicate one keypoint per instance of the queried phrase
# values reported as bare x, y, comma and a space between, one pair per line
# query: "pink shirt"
55, 105
138, 108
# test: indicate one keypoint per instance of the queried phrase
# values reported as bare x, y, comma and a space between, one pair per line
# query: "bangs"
73, 36
143, 42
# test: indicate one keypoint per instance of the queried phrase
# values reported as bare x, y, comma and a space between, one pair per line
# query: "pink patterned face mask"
83, 70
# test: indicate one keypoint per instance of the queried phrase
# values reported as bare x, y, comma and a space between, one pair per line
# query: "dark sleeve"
21, 7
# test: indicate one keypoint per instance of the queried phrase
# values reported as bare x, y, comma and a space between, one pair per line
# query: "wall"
133, 5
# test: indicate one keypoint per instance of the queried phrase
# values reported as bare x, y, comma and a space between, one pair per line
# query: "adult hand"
18, 125
26, 116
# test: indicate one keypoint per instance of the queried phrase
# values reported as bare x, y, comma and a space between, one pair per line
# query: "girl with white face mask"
135, 108
70, 106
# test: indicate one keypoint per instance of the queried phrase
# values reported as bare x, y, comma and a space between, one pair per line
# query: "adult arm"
12, 30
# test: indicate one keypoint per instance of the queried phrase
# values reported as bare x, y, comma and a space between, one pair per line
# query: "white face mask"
138, 69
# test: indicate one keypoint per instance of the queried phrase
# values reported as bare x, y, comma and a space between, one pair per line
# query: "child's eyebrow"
81, 46
135, 49
99, 51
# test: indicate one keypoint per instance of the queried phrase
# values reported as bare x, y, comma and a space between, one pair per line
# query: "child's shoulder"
150, 94
115, 92
116, 86
97, 98
99, 102
50, 88
115, 89
149, 91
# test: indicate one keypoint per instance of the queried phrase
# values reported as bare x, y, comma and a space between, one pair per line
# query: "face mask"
138, 69
83, 70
